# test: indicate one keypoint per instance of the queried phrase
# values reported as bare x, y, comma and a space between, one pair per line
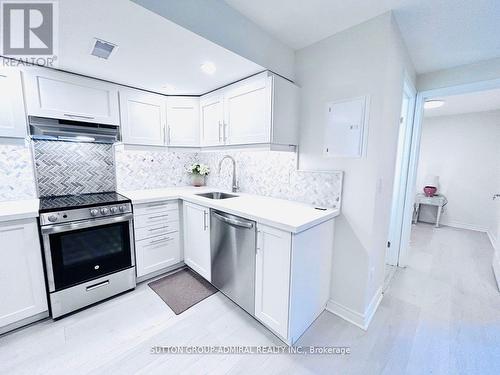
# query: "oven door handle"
58, 228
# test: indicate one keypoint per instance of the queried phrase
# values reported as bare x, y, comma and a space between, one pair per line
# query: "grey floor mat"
182, 289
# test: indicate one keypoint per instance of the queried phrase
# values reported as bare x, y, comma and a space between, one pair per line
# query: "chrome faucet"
235, 186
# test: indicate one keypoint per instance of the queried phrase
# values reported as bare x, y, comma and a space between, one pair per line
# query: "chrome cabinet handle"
220, 136
169, 134
157, 216
224, 127
159, 228
166, 239
205, 224
79, 116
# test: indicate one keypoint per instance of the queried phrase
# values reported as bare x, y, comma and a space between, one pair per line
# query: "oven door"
86, 250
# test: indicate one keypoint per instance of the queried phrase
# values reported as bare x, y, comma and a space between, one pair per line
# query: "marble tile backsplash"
145, 169
274, 174
17, 179
64, 168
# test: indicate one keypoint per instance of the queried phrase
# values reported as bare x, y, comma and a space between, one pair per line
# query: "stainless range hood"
73, 131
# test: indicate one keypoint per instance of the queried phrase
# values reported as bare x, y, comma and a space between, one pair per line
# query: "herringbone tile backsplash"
74, 168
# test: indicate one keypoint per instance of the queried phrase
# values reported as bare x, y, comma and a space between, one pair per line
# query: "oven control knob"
113, 210
104, 210
94, 212
52, 218
122, 208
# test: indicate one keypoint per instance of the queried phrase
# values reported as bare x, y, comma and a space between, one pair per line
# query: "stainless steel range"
89, 248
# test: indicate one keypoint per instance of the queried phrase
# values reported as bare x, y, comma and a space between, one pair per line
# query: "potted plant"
198, 173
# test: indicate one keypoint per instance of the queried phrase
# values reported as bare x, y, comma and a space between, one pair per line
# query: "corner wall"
368, 59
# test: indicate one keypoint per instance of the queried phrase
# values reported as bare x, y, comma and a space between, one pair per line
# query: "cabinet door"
197, 239
247, 111
211, 120
155, 253
143, 118
62, 95
183, 121
272, 278
22, 283
12, 116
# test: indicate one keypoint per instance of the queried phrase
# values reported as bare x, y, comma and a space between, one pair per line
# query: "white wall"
464, 151
221, 24
480, 71
368, 59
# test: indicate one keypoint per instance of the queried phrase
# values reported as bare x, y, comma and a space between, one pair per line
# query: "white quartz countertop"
279, 213
22, 209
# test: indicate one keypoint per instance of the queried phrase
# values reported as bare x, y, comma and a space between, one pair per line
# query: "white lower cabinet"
197, 239
22, 282
272, 278
292, 278
157, 240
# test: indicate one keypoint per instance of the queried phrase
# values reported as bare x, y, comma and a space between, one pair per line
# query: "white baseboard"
456, 224
362, 320
494, 241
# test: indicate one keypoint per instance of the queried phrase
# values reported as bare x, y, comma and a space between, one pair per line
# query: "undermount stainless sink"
217, 195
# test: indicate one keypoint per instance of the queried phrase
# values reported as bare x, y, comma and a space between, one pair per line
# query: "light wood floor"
441, 315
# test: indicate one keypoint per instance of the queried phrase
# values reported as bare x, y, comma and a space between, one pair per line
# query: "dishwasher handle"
231, 221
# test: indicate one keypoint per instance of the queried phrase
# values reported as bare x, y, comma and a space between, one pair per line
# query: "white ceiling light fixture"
102, 49
208, 67
430, 104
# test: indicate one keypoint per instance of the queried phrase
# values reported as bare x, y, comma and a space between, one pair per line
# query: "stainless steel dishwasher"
232, 244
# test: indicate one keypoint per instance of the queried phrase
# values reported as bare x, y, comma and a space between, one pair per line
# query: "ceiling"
480, 101
439, 34
153, 53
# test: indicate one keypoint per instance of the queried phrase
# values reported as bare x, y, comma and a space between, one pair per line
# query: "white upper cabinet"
143, 118
211, 119
183, 121
247, 111
61, 95
12, 115
262, 109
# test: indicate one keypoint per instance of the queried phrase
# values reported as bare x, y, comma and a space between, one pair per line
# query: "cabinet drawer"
156, 253
156, 230
155, 219
156, 207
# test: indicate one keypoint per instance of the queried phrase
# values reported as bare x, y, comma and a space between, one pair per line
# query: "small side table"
438, 200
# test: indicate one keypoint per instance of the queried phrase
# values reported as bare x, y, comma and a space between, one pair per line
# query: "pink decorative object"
429, 191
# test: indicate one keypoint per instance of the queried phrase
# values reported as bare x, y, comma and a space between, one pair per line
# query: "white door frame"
415, 151
401, 172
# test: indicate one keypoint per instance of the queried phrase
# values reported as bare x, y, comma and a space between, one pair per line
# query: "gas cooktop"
68, 202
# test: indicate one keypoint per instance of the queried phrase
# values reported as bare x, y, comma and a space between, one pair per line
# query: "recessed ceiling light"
208, 67
430, 104
102, 49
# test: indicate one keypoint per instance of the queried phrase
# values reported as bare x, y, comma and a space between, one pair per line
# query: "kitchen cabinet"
157, 239
262, 109
211, 119
247, 111
272, 277
143, 118
12, 116
197, 238
55, 94
183, 121
22, 282
292, 278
